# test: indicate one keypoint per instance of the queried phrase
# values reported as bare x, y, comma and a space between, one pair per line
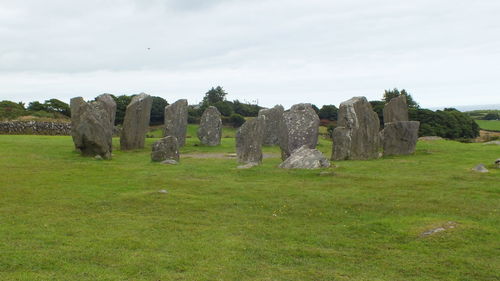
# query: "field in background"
66, 217
490, 125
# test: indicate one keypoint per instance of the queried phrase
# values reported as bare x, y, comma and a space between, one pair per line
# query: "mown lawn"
66, 217
490, 125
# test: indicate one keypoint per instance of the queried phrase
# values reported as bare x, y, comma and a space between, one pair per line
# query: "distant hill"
465, 108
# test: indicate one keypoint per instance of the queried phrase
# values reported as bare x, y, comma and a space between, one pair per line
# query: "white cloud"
320, 51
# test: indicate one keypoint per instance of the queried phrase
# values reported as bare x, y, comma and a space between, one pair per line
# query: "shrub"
236, 120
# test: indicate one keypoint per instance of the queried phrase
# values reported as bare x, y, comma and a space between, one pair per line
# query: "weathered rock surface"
164, 149
249, 138
210, 130
92, 125
497, 163
305, 158
400, 138
274, 117
396, 110
299, 127
176, 120
136, 122
480, 168
357, 134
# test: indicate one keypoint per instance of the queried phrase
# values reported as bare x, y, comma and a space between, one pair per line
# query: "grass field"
490, 125
66, 217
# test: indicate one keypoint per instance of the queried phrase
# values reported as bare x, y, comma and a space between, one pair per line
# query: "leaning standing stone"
274, 116
92, 125
396, 110
299, 127
249, 139
400, 138
176, 119
136, 122
357, 134
164, 149
210, 130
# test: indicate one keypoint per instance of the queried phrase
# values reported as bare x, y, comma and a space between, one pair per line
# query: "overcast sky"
444, 52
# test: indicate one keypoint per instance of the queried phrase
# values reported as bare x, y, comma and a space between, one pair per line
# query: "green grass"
66, 217
490, 125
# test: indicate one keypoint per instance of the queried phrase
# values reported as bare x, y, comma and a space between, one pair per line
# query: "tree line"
449, 123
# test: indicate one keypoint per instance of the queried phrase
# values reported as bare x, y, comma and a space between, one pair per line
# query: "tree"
158, 111
121, 106
11, 110
57, 106
36, 106
316, 109
390, 94
328, 112
214, 96
237, 120
378, 107
491, 116
224, 108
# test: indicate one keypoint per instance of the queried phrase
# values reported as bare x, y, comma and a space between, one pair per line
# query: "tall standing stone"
274, 116
299, 126
356, 136
249, 139
136, 122
92, 125
400, 138
210, 130
176, 119
396, 110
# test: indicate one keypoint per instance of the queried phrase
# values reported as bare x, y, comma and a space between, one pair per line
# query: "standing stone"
165, 149
249, 139
176, 119
136, 122
274, 117
210, 130
396, 110
299, 126
400, 138
92, 125
357, 134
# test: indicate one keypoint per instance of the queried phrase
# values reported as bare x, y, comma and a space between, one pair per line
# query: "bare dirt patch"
223, 155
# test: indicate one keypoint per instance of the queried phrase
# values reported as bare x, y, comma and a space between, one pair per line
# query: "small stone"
165, 149
448, 225
305, 158
163, 191
492, 143
326, 173
497, 163
98, 157
480, 168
